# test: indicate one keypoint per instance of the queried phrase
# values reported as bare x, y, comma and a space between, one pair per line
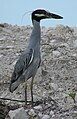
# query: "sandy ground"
57, 76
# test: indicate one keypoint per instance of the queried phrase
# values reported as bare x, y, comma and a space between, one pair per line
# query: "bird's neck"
36, 34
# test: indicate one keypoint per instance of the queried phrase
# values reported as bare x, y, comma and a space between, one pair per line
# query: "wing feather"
22, 64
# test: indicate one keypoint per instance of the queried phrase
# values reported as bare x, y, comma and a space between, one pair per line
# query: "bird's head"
40, 14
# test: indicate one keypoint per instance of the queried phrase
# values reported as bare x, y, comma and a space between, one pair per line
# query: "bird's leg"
32, 91
25, 93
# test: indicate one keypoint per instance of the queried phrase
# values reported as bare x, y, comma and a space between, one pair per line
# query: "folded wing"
22, 64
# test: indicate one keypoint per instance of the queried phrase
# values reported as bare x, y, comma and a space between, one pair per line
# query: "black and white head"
40, 14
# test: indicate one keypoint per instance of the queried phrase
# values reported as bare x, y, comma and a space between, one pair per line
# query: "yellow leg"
25, 93
32, 91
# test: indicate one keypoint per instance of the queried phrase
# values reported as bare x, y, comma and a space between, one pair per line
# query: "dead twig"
13, 99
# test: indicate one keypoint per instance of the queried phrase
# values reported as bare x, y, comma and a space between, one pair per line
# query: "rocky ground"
55, 84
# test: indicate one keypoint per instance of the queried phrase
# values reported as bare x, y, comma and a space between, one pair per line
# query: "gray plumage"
29, 61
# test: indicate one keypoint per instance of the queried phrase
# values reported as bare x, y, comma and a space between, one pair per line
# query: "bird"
29, 61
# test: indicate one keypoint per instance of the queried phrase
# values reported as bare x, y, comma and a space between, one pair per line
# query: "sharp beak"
55, 16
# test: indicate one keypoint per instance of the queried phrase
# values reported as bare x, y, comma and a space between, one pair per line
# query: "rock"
44, 72
3, 110
54, 86
56, 53
75, 43
75, 112
40, 114
63, 45
46, 117
59, 74
1, 56
32, 113
52, 113
14, 62
18, 114
9, 47
39, 107
2, 25
52, 42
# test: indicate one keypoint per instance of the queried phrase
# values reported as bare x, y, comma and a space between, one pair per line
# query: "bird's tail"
14, 85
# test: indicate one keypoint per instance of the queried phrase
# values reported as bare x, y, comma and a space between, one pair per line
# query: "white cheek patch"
40, 15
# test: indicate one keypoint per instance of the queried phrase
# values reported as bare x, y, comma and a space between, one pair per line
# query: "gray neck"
36, 34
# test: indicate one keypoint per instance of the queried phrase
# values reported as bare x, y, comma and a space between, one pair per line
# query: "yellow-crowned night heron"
29, 61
